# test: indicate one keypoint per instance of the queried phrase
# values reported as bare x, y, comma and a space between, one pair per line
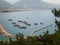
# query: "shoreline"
4, 32
20, 9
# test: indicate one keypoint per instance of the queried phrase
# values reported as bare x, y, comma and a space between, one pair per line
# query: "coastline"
4, 32
20, 9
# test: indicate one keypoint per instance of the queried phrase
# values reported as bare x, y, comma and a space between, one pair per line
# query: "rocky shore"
4, 32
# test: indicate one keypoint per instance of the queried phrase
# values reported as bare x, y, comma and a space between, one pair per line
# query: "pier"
39, 29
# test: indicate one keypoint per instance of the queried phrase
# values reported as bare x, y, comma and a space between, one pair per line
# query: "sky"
49, 1
52, 1
12, 1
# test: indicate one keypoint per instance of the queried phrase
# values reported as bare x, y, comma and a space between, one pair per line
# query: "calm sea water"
35, 16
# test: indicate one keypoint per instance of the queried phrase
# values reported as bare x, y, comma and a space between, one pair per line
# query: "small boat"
19, 21
13, 22
41, 23
29, 24
10, 20
23, 27
35, 23
25, 22
16, 25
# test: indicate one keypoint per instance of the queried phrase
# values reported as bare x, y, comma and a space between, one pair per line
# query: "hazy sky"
50, 1
53, 1
12, 1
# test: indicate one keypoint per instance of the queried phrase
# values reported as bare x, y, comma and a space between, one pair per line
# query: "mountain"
4, 4
32, 4
28, 4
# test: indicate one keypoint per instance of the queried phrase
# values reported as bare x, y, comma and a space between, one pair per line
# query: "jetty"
39, 29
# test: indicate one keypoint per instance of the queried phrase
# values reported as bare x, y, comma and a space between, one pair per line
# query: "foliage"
46, 39
56, 12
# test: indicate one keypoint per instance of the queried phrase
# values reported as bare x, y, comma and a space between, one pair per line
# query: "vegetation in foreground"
46, 39
56, 12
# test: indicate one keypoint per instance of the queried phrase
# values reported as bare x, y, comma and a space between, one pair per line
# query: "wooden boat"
16, 25
23, 27
25, 22
41, 23
35, 23
10, 20
13, 22
19, 21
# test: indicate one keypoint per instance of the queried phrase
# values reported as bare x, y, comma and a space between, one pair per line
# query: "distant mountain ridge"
4, 4
28, 4
34, 4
